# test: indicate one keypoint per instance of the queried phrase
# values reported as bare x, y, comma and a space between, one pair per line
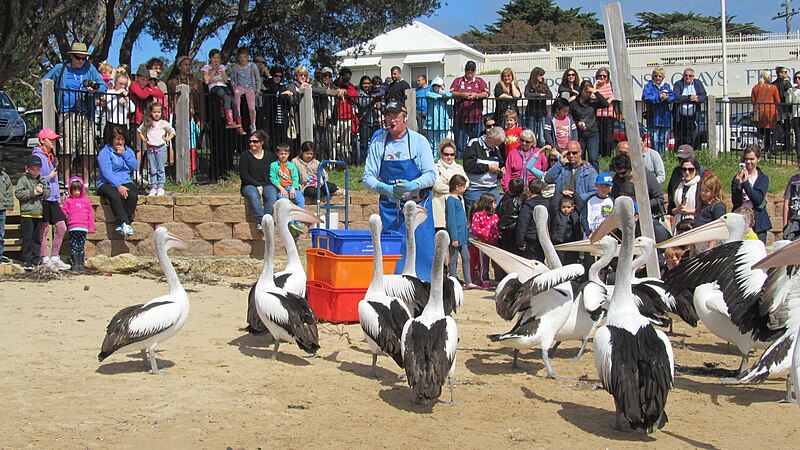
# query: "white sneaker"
47, 263
57, 264
127, 230
153, 192
160, 191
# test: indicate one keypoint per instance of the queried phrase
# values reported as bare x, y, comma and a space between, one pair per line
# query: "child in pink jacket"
80, 220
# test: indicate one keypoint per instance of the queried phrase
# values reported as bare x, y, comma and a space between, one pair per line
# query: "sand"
222, 392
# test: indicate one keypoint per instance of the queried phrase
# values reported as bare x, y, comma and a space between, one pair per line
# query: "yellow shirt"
751, 236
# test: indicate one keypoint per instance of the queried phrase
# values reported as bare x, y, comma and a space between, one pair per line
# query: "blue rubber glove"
399, 188
385, 189
409, 186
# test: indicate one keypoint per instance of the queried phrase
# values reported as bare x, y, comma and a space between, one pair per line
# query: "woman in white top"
687, 193
118, 106
446, 167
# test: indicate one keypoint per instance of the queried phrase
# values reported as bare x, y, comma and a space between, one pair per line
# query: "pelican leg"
153, 366
621, 424
790, 398
552, 351
670, 325
453, 401
374, 365
744, 364
275, 350
550, 372
583, 347
516, 366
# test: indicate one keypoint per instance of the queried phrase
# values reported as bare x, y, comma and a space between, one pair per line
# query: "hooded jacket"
79, 212
30, 204
6, 192
47, 169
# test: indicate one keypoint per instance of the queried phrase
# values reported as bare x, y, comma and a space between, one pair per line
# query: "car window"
5, 101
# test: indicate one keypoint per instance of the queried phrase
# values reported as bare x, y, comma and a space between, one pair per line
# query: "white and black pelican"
288, 316
779, 357
143, 327
543, 303
727, 291
429, 342
381, 317
634, 360
407, 286
293, 276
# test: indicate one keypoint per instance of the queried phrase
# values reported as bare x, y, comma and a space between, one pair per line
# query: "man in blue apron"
400, 168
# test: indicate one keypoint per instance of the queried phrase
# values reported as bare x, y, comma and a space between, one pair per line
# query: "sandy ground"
222, 392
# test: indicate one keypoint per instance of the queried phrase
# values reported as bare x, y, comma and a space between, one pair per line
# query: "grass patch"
185, 187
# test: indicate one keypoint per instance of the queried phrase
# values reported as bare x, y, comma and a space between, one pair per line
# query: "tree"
678, 24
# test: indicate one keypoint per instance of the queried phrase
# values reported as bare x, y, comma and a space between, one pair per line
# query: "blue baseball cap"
604, 178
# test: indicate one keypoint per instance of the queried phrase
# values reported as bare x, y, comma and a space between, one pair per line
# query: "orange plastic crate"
344, 271
334, 305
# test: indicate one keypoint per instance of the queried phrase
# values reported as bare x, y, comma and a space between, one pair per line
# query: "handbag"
292, 131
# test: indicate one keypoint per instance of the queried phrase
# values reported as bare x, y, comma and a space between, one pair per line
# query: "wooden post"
49, 104
411, 107
711, 125
182, 131
306, 116
618, 53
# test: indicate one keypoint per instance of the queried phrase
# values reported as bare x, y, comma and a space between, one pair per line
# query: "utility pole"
787, 14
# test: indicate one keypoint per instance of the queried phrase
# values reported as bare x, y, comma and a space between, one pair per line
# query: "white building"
420, 49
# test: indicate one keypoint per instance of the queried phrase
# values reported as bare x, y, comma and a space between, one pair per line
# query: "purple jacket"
78, 210
47, 168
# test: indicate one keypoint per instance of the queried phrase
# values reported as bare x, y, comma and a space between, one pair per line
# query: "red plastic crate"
344, 271
334, 305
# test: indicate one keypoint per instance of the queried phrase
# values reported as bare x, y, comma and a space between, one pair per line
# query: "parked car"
12, 127
33, 122
621, 134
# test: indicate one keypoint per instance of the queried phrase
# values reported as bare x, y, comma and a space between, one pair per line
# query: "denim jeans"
261, 204
2, 231
464, 132
536, 124
462, 249
299, 200
659, 136
591, 148
156, 158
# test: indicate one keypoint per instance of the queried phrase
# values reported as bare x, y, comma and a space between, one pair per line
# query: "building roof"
413, 38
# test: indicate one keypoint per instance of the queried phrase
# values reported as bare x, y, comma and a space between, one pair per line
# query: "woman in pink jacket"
80, 220
521, 160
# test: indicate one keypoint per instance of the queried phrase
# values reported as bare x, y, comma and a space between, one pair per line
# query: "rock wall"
212, 225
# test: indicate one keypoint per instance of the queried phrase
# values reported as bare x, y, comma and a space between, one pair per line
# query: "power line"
787, 14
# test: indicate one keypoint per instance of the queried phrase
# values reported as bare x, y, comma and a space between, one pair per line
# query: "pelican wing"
780, 299
428, 355
730, 266
392, 315
549, 280
654, 292
505, 296
138, 323
296, 317
452, 296
411, 290
777, 358
254, 323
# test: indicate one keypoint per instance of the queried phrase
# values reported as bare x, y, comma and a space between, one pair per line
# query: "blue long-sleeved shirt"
113, 168
411, 145
71, 80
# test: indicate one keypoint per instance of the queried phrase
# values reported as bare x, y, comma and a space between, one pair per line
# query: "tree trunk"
100, 52
140, 18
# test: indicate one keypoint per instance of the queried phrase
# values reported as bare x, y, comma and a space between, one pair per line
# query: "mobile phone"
741, 166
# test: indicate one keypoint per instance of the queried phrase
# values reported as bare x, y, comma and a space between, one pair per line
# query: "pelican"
293, 276
727, 290
143, 327
381, 317
544, 301
288, 316
634, 360
429, 341
779, 357
407, 286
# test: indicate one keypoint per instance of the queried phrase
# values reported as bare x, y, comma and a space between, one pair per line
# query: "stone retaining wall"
212, 225
222, 225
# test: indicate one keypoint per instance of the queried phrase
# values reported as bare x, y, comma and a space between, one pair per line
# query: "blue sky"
450, 18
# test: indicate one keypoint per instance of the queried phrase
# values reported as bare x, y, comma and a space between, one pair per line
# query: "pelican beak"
712, 231
585, 246
176, 242
509, 262
301, 215
788, 255
422, 216
611, 223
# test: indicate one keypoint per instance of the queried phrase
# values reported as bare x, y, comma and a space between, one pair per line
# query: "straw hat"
79, 48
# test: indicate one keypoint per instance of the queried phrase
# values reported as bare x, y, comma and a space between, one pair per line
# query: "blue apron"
391, 211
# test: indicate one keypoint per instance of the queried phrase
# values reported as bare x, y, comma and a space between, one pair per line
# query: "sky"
451, 20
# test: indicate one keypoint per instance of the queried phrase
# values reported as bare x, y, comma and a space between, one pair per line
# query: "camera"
91, 84
741, 166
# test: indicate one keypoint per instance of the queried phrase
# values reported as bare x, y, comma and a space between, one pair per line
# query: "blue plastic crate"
354, 242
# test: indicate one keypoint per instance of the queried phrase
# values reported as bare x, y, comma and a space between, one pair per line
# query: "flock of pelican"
737, 290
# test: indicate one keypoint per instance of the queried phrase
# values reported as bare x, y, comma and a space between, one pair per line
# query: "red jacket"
140, 95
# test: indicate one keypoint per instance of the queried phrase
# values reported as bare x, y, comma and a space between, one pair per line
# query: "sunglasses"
571, 74
688, 75
488, 127
448, 154
687, 169
254, 141
526, 141
572, 153
278, 75
602, 76
79, 58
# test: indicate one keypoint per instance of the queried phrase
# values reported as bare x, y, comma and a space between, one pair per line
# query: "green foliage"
186, 187
678, 24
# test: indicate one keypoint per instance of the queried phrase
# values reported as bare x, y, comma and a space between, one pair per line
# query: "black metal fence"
343, 127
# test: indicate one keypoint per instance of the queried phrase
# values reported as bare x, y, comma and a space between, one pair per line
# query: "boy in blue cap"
598, 206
